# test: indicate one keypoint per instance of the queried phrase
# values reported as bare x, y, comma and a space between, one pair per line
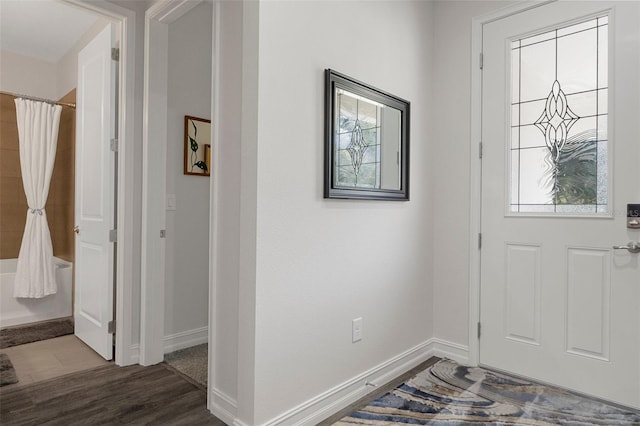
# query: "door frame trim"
154, 184
125, 258
475, 165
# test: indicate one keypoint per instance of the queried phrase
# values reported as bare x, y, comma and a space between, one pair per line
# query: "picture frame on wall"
197, 146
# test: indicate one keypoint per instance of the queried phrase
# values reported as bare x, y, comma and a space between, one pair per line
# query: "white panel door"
560, 113
94, 210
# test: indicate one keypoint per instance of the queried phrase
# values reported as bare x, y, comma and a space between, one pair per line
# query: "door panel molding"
522, 264
588, 330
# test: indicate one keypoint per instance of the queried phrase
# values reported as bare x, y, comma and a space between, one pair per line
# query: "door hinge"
480, 150
479, 330
481, 60
114, 145
163, 233
115, 54
113, 235
111, 327
479, 240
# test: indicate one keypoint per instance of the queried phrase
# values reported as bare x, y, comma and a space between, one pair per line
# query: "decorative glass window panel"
358, 154
559, 92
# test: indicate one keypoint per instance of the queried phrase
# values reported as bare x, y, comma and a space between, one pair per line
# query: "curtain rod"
33, 98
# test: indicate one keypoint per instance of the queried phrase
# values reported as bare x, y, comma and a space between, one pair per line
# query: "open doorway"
187, 238
41, 62
176, 206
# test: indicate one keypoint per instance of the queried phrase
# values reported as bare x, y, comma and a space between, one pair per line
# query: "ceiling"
42, 29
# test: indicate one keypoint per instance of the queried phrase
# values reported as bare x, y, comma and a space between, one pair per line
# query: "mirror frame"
334, 81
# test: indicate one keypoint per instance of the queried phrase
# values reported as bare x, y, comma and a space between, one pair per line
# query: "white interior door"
94, 210
560, 163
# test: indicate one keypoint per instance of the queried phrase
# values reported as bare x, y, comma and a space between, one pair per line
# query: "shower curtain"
38, 124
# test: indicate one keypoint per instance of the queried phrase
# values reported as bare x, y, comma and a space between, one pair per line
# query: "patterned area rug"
192, 362
448, 393
21, 334
7, 372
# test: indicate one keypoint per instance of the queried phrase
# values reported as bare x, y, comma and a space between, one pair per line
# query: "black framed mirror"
366, 141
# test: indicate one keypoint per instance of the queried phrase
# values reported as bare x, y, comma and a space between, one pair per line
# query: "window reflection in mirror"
369, 137
367, 141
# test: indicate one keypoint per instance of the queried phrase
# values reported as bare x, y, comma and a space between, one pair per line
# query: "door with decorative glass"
560, 132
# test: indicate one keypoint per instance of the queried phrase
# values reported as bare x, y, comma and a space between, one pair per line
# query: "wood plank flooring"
133, 395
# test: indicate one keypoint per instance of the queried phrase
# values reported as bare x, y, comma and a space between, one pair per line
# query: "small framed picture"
197, 146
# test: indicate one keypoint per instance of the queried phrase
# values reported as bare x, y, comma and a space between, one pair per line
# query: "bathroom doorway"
49, 78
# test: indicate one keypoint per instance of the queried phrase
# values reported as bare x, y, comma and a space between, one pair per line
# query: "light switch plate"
171, 201
356, 330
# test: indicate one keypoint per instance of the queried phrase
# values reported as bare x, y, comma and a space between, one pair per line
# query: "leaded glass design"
559, 92
358, 130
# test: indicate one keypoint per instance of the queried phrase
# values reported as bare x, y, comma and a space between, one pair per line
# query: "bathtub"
23, 311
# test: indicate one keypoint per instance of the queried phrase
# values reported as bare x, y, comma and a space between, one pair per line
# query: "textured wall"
321, 263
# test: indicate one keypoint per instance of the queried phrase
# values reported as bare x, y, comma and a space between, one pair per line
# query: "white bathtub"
23, 311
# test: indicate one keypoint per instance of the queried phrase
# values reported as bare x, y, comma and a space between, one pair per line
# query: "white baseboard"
341, 396
223, 406
134, 353
175, 342
185, 339
454, 351
324, 405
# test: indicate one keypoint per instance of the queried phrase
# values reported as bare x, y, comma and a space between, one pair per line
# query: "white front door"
94, 210
560, 114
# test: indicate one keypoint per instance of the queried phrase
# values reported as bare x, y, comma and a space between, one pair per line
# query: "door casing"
152, 292
475, 166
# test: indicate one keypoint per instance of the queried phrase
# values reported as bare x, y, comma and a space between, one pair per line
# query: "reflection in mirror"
369, 136
365, 130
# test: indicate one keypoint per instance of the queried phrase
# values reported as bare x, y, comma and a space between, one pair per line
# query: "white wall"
321, 263
451, 132
227, 162
187, 249
67, 67
27, 76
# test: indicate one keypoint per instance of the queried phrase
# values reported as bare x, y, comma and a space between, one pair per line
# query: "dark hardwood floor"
134, 395
108, 395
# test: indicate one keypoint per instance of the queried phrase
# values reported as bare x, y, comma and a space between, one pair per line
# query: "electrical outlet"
356, 330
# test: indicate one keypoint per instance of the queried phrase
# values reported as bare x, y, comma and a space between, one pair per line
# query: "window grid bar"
592, 207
